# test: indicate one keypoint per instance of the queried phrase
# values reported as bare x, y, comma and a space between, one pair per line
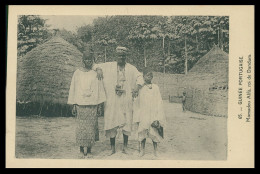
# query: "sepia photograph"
122, 87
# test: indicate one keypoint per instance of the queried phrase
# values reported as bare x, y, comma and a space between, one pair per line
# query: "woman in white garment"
86, 92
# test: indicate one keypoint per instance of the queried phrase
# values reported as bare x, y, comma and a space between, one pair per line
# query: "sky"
68, 22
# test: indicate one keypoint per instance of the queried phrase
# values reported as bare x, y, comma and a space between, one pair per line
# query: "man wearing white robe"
121, 82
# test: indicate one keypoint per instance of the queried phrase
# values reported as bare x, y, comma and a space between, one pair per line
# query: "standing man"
122, 82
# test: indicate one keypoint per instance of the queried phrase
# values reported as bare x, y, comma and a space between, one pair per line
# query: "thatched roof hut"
214, 62
206, 84
44, 74
211, 69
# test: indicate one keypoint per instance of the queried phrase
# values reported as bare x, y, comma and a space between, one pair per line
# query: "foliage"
32, 31
72, 38
157, 41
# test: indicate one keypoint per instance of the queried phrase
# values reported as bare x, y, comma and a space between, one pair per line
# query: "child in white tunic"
148, 113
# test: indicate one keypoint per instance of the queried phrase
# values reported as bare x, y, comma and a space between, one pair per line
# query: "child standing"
149, 113
183, 101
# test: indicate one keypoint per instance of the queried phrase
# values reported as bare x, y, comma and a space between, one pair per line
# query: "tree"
72, 38
32, 31
184, 29
85, 33
141, 34
165, 29
223, 28
158, 41
106, 41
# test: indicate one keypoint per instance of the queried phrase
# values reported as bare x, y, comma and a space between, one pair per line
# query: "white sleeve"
160, 109
101, 92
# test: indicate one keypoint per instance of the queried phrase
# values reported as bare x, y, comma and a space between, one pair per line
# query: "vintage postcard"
130, 86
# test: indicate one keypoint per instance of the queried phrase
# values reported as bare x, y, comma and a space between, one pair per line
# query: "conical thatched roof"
44, 74
214, 62
210, 69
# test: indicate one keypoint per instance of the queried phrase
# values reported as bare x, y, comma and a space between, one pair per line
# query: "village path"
188, 136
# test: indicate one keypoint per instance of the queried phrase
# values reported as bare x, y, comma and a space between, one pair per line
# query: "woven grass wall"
213, 103
168, 84
44, 76
206, 84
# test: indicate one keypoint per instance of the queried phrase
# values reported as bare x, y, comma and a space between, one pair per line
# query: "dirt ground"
188, 136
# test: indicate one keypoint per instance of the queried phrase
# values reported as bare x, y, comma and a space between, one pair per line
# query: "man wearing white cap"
121, 82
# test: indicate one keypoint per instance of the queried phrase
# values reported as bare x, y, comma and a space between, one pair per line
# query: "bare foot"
81, 155
125, 151
85, 155
112, 153
90, 155
155, 153
141, 153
